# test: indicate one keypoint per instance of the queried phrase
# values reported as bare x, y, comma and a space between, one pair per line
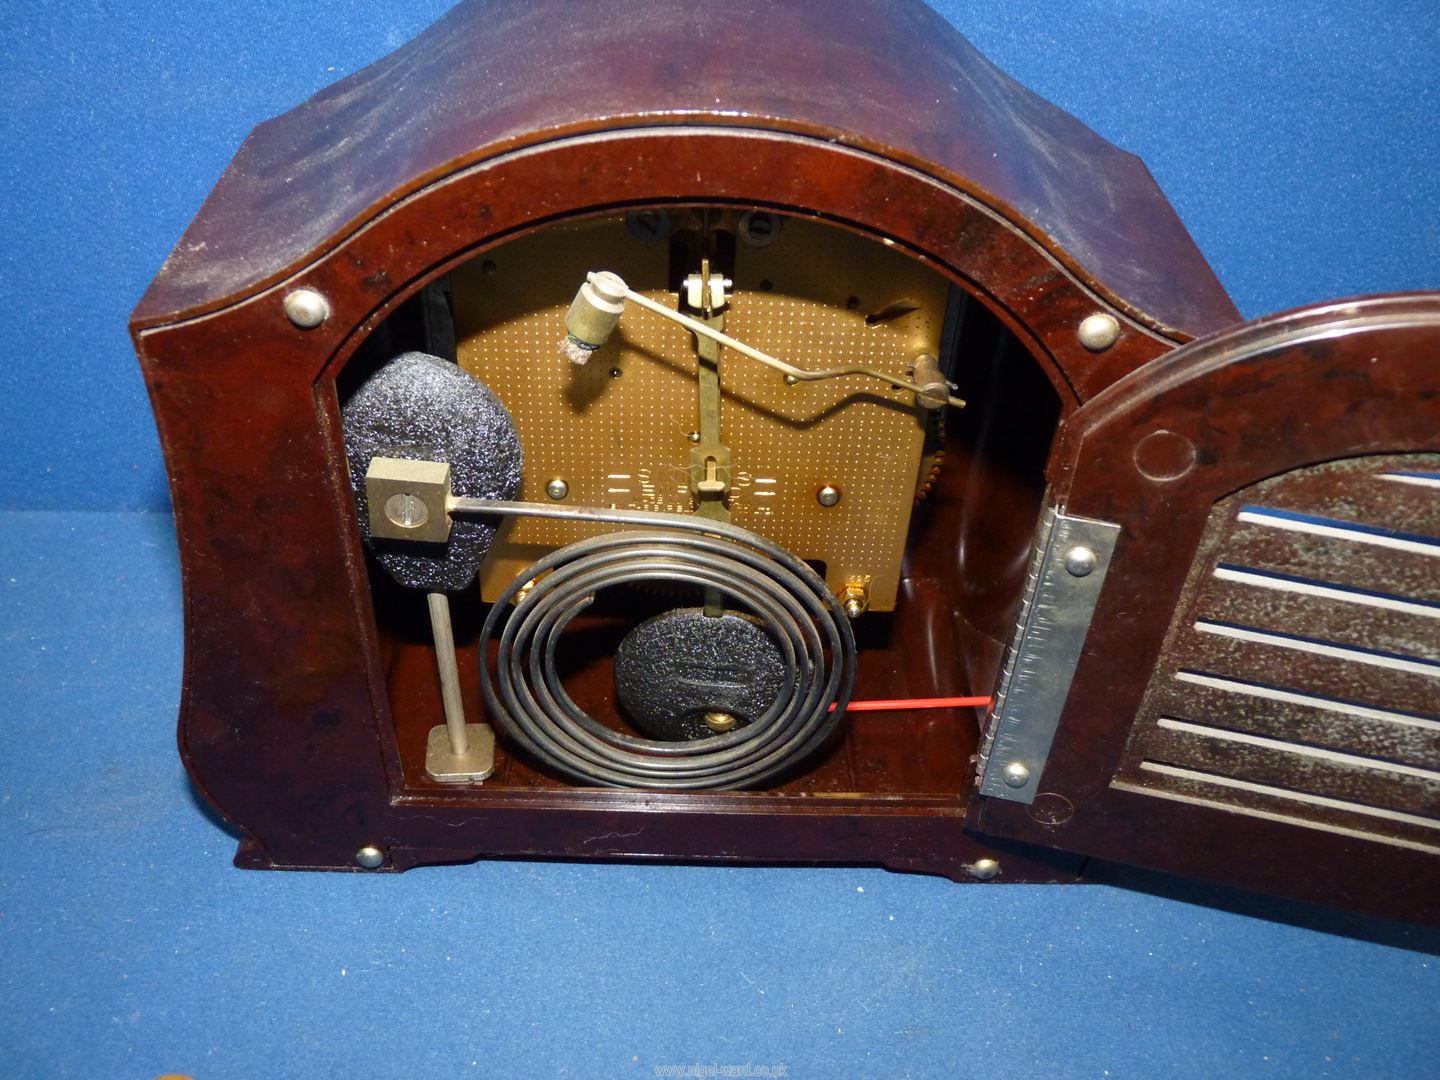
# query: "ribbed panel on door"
1300, 679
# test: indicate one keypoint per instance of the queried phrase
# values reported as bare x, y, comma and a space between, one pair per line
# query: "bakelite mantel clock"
781, 437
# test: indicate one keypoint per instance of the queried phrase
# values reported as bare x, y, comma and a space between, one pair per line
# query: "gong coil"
526, 699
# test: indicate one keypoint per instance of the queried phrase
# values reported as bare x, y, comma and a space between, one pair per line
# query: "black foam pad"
674, 668
421, 407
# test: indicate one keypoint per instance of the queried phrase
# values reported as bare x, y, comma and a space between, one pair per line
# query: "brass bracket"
408, 500
710, 459
855, 596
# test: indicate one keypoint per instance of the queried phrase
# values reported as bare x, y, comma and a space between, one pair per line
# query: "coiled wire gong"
526, 700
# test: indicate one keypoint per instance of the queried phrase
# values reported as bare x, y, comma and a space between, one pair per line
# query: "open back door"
1228, 665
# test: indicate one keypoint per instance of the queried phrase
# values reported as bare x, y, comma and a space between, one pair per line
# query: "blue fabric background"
1299, 143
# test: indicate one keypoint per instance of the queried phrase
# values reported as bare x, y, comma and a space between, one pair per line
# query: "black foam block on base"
420, 407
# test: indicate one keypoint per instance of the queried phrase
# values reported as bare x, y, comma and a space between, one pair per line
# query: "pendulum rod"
710, 458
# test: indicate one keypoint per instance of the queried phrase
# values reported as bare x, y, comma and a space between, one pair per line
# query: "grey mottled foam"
421, 407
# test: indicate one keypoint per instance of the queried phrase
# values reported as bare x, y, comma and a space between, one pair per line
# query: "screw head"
370, 857
406, 511
648, 225
306, 308
557, 489
1080, 561
828, 495
720, 721
1016, 775
983, 869
1099, 331
759, 229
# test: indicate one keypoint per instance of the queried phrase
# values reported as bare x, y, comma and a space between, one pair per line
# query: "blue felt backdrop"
1299, 143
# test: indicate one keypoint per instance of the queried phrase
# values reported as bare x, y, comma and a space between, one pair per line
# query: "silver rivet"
694, 436
1080, 561
983, 869
557, 489
1016, 775
370, 857
1099, 331
828, 495
306, 308
854, 608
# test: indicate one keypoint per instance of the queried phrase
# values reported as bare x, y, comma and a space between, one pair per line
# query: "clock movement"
778, 436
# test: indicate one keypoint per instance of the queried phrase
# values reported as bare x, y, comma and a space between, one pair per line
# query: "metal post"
444, 635
458, 753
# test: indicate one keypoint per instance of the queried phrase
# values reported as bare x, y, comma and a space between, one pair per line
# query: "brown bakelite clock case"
781, 437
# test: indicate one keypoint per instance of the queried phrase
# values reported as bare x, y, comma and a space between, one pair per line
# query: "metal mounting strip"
1067, 572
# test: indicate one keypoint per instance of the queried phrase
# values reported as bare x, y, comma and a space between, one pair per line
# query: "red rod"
906, 704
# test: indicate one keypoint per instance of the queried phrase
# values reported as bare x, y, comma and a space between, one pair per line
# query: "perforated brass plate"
617, 431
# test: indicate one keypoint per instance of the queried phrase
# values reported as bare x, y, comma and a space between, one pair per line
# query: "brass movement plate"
617, 431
